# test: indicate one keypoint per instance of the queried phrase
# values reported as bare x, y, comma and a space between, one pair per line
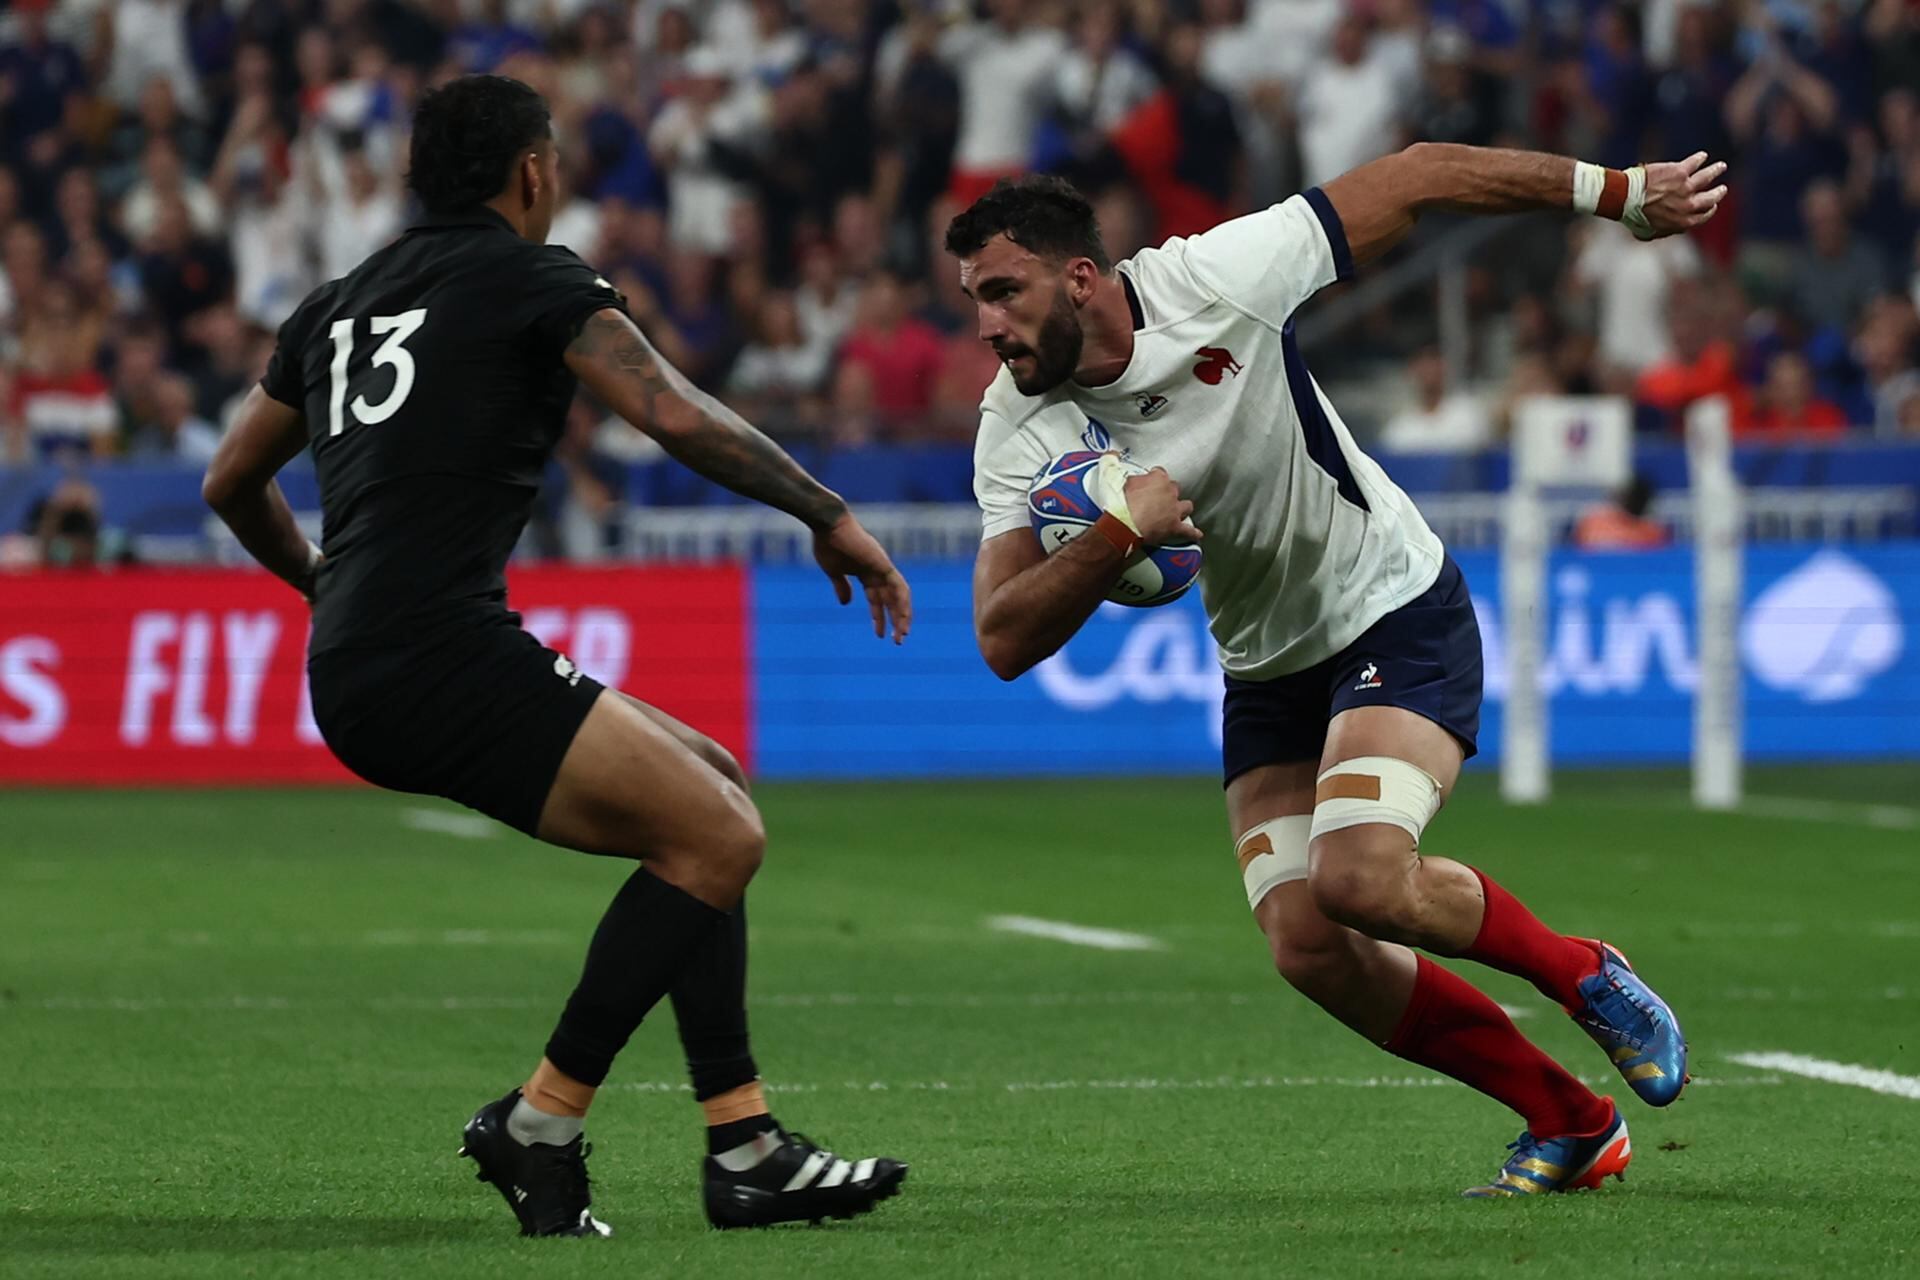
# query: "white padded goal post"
1582, 448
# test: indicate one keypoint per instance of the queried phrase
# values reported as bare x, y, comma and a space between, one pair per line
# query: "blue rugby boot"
1636, 1028
1543, 1165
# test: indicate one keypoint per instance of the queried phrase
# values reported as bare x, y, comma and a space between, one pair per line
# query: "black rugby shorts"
484, 717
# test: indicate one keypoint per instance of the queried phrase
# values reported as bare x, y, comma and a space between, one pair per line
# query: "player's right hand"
1158, 510
845, 549
1681, 196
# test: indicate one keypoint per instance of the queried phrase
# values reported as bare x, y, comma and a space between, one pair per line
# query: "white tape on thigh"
1272, 854
1375, 789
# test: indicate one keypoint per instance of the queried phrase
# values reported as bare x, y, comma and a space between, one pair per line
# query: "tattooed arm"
620, 366
617, 364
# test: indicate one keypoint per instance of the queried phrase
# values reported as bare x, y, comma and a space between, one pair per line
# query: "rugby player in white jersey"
1351, 654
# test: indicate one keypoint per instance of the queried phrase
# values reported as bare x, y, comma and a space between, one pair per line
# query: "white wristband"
1589, 180
313, 555
1634, 216
1618, 194
1109, 486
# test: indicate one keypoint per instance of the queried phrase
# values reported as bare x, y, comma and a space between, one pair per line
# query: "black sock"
649, 933
725, 1137
710, 1004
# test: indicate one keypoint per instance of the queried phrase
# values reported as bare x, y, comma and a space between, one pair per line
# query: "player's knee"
1358, 878
739, 846
1316, 956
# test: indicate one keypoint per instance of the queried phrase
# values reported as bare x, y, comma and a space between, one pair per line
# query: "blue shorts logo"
1096, 436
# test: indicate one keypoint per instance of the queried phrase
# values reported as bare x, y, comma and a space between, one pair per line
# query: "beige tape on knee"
1272, 854
1375, 789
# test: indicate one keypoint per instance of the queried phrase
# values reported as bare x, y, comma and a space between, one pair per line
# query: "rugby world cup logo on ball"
1063, 504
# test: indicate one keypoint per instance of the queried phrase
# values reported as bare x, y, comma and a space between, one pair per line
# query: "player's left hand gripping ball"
1071, 493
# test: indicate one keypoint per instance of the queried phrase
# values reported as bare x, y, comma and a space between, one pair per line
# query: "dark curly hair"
467, 135
1044, 214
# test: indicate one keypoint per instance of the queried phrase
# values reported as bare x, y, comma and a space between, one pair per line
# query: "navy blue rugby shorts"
1424, 656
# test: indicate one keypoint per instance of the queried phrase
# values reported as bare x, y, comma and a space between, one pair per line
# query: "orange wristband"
1114, 530
1613, 195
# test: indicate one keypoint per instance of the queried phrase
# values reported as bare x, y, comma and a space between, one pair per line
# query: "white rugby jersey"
1308, 543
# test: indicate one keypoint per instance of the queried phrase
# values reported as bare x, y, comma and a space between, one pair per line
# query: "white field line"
1886, 817
1149, 1084
1079, 935
468, 826
1733, 930
243, 1003
1891, 817
1518, 1010
1799, 1064
468, 938
779, 1000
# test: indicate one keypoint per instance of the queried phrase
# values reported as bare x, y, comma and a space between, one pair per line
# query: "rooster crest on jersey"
1063, 502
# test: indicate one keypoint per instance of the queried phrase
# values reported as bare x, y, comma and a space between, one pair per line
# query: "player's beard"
1056, 351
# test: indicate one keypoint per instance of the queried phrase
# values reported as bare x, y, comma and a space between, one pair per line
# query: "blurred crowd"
768, 180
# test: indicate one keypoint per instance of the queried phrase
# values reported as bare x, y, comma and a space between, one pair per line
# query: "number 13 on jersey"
393, 351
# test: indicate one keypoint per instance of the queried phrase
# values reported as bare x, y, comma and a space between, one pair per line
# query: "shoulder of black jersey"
560, 259
315, 303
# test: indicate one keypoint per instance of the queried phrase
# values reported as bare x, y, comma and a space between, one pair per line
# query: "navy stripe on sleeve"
1336, 234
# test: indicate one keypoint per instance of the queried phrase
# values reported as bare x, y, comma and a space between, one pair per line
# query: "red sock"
1513, 941
1452, 1027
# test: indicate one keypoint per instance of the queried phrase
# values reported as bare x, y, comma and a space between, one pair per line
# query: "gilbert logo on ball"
1065, 499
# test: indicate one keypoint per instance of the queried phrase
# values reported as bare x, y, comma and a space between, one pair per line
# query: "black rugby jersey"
435, 388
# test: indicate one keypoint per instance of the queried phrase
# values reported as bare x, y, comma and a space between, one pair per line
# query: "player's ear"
530, 179
1082, 275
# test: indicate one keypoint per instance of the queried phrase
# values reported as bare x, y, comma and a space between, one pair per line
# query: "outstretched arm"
1379, 201
615, 362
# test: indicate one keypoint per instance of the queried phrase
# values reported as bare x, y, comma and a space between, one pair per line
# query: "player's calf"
1353, 977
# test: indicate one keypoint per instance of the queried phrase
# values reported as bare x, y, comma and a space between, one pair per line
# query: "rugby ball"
1063, 502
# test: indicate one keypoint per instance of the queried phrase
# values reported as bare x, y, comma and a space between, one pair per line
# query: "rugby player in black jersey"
431, 385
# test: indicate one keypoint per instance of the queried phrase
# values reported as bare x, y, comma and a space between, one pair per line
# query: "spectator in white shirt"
1006, 71
164, 177
149, 38
826, 299
1349, 106
710, 114
265, 226
1438, 421
1099, 81
758, 36
364, 215
1632, 282
779, 372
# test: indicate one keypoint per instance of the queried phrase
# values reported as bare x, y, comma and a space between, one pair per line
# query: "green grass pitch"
241, 1031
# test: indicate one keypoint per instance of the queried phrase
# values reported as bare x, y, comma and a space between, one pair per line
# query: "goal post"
1718, 576
1563, 446
1569, 448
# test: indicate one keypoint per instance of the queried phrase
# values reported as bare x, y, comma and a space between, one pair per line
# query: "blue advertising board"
1822, 636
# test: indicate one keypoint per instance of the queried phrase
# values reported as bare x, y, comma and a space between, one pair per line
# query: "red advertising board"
198, 676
